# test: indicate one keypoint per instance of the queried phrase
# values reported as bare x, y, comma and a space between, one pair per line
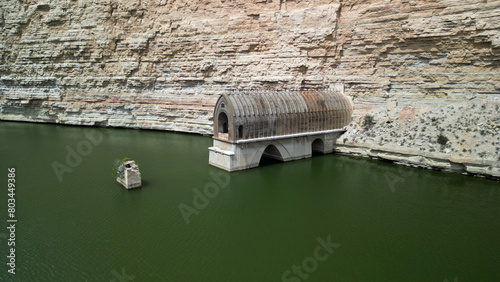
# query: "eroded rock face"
460, 136
162, 64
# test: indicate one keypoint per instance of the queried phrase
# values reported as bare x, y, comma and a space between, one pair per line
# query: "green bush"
442, 140
368, 121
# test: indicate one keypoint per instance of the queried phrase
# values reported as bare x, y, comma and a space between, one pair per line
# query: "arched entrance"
240, 132
270, 155
318, 147
222, 123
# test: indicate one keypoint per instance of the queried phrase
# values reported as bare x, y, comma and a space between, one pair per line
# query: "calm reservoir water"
328, 218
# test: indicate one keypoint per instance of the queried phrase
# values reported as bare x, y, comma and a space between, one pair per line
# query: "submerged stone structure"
129, 175
283, 125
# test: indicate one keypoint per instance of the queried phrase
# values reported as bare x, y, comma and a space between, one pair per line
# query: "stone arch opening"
240, 132
270, 155
223, 123
318, 147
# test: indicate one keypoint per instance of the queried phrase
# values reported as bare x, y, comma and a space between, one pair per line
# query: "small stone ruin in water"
129, 175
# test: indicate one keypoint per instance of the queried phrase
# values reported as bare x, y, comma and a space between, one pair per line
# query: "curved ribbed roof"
254, 114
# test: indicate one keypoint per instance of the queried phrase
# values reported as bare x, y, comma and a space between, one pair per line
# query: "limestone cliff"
424, 75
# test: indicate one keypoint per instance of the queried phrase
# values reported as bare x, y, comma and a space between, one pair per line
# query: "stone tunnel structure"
283, 125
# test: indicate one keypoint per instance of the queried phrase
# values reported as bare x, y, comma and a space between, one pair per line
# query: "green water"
385, 222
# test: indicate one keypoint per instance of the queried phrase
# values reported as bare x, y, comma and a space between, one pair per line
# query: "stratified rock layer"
418, 71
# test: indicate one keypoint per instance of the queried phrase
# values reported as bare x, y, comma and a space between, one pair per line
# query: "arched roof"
274, 113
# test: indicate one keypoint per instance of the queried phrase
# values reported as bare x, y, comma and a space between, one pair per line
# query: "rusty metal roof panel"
274, 113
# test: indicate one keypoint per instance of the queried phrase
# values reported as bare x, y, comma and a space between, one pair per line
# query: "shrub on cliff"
442, 140
368, 122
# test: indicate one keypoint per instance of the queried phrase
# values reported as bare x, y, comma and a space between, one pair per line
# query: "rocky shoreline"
428, 162
434, 135
453, 135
